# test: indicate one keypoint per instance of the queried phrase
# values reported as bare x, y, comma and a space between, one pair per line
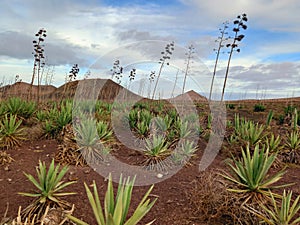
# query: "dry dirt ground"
173, 205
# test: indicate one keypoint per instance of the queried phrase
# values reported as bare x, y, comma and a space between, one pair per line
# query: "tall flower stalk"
175, 83
132, 75
189, 54
38, 60
239, 24
220, 40
117, 71
73, 72
166, 55
151, 80
72, 76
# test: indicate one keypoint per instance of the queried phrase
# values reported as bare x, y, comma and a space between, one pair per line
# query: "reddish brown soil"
172, 207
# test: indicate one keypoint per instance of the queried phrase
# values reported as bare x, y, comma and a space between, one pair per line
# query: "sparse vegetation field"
44, 169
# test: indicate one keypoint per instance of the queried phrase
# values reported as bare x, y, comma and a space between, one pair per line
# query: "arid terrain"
188, 197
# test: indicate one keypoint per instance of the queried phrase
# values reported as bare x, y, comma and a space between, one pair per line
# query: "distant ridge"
192, 95
108, 92
288, 99
21, 89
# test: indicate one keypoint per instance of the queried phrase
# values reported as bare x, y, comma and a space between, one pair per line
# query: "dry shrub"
67, 153
5, 158
4, 218
34, 132
52, 216
213, 204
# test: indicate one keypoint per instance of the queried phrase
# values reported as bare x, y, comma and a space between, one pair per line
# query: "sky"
95, 33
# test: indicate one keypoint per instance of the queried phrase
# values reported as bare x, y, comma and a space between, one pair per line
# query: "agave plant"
200, 130
273, 143
237, 122
20, 108
41, 115
88, 140
173, 114
2, 110
248, 131
60, 117
132, 118
172, 136
142, 105
252, 133
142, 129
49, 129
295, 119
256, 133
232, 139
50, 185
184, 152
269, 118
145, 115
116, 210
57, 118
156, 151
177, 124
98, 105
14, 105
52, 114
64, 117
209, 121
29, 109
159, 106
292, 147
185, 130
104, 132
286, 214
191, 118
293, 141
162, 124
249, 175
108, 107
10, 132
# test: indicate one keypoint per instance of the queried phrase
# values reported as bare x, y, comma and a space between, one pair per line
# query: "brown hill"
191, 94
108, 90
22, 89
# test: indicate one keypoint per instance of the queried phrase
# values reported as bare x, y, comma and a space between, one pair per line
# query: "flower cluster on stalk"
39, 48
73, 72
117, 71
132, 74
239, 24
152, 76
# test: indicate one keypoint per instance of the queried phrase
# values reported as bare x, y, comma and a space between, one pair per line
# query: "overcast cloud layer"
83, 31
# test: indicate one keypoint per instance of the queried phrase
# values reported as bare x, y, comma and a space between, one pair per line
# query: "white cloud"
82, 32
277, 79
267, 14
